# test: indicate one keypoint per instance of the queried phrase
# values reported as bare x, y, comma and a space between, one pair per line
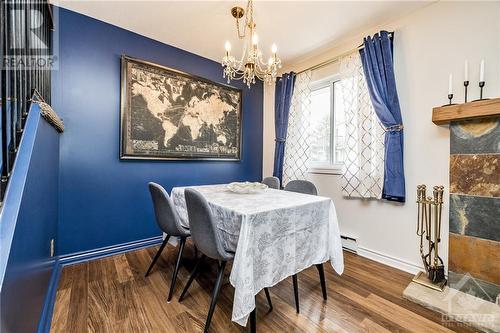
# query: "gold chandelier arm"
259, 70
261, 64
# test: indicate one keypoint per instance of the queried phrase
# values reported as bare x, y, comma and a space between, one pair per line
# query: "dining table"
273, 233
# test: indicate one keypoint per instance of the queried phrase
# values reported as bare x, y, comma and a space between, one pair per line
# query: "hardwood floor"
112, 295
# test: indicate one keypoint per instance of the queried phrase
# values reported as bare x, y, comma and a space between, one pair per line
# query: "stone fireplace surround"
473, 292
474, 240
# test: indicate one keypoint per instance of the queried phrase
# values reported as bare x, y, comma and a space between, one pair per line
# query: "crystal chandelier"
251, 65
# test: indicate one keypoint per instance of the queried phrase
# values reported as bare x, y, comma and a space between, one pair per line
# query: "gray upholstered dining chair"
272, 182
169, 222
208, 241
301, 186
306, 187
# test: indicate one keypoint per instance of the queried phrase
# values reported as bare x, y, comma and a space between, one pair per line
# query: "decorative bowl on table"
246, 187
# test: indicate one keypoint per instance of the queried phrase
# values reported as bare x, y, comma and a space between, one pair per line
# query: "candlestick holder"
466, 84
481, 86
450, 97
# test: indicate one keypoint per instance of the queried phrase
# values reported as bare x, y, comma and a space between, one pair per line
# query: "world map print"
167, 114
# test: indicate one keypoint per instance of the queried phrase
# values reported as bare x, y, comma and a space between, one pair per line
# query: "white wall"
429, 44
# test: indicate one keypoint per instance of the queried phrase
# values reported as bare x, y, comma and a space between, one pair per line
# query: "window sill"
326, 170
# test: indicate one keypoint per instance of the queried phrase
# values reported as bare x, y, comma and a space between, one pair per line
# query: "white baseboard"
389, 260
83, 256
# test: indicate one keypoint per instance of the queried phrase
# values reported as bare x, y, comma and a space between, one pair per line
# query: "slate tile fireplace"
474, 242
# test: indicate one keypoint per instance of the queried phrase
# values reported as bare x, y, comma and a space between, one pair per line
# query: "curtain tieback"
280, 140
394, 128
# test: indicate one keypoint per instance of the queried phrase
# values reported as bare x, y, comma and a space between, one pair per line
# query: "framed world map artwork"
167, 114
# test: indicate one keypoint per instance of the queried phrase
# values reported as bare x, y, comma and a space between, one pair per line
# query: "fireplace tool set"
429, 227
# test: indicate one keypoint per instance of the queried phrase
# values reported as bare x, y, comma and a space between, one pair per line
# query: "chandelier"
251, 65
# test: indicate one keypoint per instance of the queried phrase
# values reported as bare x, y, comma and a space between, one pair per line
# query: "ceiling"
202, 27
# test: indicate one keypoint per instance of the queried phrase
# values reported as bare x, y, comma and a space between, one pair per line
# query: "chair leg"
176, 270
268, 299
192, 277
253, 321
215, 295
157, 255
296, 291
322, 280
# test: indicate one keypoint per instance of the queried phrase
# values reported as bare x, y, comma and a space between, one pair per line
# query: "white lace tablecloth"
274, 234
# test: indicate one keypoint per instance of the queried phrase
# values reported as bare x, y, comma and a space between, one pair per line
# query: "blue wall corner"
28, 221
104, 200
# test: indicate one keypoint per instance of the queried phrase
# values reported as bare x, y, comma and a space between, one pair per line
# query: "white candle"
450, 85
481, 72
274, 48
466, 70
255, 39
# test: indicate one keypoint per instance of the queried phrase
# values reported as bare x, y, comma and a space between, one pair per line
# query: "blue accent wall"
104, 200
28, 220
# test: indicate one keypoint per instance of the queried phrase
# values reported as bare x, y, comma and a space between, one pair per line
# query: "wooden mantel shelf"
444, 114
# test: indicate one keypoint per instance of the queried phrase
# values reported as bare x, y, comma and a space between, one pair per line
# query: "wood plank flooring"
112, 295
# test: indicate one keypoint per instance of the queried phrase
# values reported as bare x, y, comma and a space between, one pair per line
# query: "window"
327, 136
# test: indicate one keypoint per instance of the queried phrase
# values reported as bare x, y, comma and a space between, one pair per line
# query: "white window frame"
332, 167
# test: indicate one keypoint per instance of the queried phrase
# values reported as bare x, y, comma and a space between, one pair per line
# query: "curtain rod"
336, 58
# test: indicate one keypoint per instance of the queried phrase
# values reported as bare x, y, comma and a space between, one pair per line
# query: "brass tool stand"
429, 226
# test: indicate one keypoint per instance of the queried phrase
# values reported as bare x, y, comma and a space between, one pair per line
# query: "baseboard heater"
349, 243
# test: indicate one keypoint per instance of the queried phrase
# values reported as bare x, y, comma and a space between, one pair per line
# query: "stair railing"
26, 29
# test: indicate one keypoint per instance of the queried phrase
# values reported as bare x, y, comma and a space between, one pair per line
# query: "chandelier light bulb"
227, 46
255, 39
274, 48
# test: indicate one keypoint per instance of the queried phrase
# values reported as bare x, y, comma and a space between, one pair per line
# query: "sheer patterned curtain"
297, 141
363, 174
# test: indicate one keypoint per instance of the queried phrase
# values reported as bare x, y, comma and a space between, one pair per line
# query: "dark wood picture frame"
136, 118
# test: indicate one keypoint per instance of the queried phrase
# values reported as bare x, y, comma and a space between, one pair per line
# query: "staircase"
29, 169
26, 46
